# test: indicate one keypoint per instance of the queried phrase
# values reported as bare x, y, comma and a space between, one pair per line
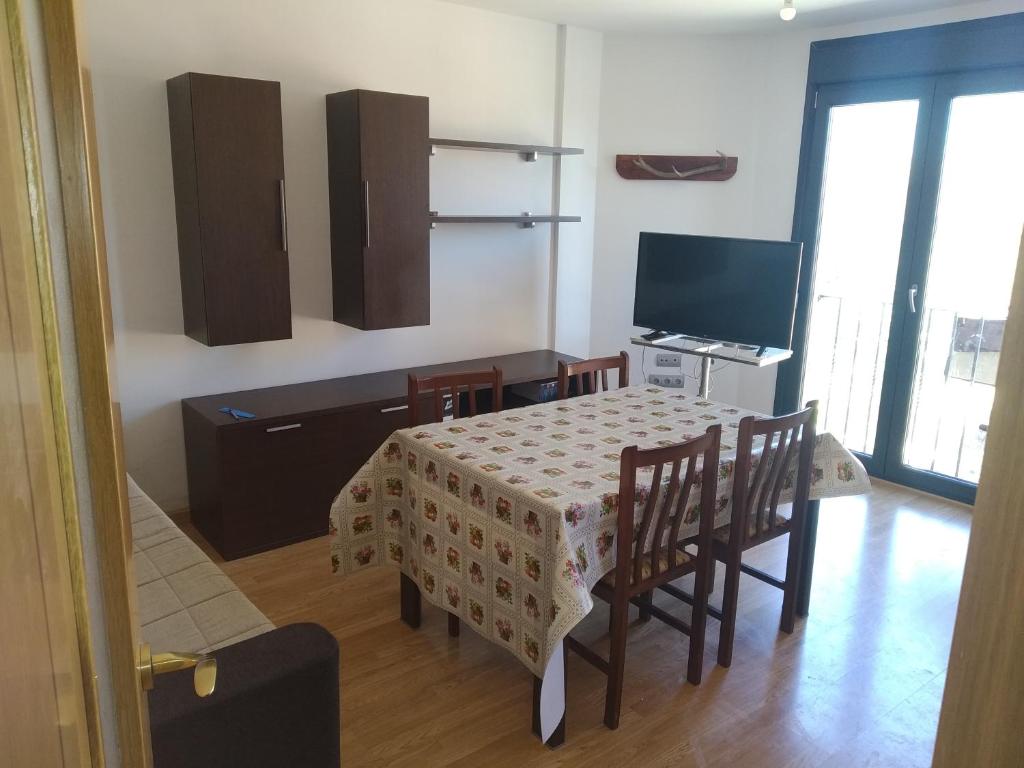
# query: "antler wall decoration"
679, 167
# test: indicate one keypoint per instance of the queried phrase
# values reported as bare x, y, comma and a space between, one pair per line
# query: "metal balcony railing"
952, 389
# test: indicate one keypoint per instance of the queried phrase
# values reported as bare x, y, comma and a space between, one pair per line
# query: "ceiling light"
788, 11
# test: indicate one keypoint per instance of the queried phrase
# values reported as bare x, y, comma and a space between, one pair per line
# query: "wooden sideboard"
260, 483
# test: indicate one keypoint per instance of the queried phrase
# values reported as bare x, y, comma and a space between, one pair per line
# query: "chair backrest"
666, 509
585, 373
756, 490
453, 384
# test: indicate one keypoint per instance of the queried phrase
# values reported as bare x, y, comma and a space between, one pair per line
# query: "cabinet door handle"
283, 427
366, 214
394, 408
284, 214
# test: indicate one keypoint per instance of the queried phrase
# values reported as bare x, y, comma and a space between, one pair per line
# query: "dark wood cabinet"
264, 482
229, 193
260, 486
378, 168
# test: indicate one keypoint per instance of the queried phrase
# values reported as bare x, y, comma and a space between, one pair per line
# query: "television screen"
720, 288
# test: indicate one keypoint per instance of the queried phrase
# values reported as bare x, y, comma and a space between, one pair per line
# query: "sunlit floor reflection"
884, 603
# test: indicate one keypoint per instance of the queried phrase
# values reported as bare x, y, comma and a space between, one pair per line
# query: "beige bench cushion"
186, 603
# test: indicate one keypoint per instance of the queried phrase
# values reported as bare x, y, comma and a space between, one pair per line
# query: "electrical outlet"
666, 360
661, 380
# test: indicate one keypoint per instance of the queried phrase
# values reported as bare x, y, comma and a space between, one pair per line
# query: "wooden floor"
858, 684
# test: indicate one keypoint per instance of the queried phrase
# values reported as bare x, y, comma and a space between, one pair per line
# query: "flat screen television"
721, 288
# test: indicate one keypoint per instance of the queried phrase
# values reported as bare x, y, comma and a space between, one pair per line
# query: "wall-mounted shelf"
528, 152
525, 220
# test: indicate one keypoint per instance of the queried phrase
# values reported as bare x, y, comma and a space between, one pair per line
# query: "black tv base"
661, 336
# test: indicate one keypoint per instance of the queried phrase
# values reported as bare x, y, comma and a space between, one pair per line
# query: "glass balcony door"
911, 229
860, 231
969, 232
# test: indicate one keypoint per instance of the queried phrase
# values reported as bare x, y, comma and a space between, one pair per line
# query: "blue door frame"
931, 65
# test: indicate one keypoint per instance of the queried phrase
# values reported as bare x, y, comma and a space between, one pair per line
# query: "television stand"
710, 349
661, 336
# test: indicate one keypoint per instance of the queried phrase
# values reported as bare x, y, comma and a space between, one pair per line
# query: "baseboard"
181, 516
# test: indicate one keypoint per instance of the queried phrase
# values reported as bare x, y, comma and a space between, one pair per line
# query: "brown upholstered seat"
781, 526
646, 570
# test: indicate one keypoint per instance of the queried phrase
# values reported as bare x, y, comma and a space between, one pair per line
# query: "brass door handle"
153, 664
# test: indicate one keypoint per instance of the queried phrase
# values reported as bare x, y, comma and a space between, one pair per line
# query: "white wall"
580, 116
488, 76
677, 94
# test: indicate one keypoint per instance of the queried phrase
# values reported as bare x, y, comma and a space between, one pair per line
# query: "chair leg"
611, 618
789, 594
410, 602
616, 662
711, 575
730, 597
453, 625
699, 619
645, 600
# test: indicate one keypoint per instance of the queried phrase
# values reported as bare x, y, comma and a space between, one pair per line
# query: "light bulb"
788, 11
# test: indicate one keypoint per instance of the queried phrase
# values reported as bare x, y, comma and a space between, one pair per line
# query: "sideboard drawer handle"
394, 408
283, 427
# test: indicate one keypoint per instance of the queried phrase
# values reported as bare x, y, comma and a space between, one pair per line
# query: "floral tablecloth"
507, 520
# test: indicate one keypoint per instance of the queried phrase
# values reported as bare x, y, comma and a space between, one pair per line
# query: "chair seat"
781, 526
646, 572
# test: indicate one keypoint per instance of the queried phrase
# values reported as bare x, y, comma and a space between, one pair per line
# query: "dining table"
507, 520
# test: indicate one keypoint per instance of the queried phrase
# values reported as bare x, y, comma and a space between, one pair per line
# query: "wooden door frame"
979, 723
43, 524
70, 110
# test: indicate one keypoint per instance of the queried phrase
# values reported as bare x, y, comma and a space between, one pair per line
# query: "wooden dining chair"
452, 385
756, 517
585, 374
647, 551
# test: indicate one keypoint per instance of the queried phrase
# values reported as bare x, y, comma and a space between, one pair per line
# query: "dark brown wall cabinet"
378, 159
230, 197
